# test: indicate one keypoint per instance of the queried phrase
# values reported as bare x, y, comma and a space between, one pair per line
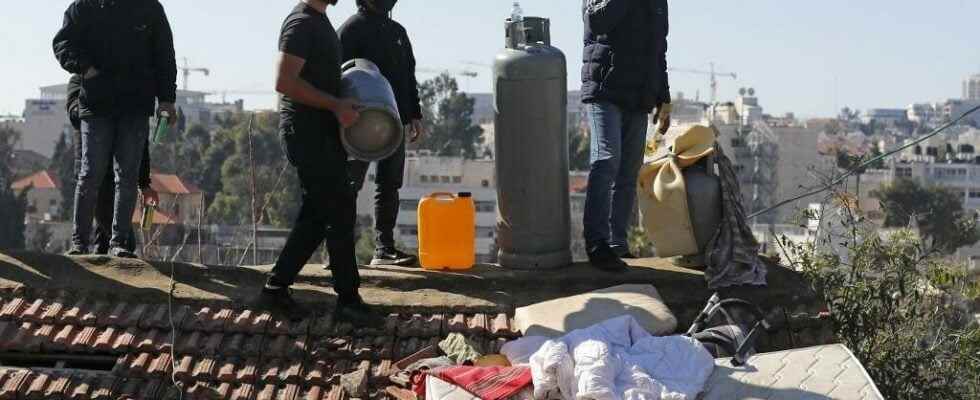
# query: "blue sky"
809, 57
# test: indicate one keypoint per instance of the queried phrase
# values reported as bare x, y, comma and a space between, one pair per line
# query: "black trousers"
388, 178
328, 210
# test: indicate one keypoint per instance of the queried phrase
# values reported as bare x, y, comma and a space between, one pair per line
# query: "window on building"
457, 179
424, 178
408, 205
485, 183
52, 202
903, 172
484, 232
974, 194
485, 206
433, 179
445, 179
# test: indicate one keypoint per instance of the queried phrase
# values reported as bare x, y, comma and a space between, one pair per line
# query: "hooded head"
377, 6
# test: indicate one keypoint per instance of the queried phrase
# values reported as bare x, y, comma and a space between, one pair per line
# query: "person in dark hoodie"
373, 35
124, 52
107, 192
624, 78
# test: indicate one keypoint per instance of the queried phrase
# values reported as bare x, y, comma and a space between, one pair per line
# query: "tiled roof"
160, 217
171, 184
221, 352
40, 180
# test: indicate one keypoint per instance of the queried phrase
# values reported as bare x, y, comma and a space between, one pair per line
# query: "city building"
887, 116
971, 88
45, 118
954, 108
924, 113
43, 195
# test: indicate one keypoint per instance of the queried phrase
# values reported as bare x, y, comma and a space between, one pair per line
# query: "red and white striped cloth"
487, 383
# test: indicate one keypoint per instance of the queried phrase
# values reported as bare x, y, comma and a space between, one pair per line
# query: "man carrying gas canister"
373, 35
624, 78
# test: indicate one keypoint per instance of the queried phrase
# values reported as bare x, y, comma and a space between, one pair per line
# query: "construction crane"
187, 70
714, 75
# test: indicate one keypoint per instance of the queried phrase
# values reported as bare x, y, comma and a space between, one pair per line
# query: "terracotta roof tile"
85, 338
13, 309
243, 392
16, 383
205, 369
184, 368
33, 311
456, 325
161, 366
38, 384
58, 387
52, 311
248, 371
227, 370
221, 351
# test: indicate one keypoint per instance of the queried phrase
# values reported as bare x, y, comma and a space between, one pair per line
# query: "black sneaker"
603, 258
623, 252
122, 253
393, 256
359, 314
280, 301
75, 251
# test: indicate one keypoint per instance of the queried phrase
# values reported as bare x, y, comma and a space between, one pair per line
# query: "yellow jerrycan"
447, 231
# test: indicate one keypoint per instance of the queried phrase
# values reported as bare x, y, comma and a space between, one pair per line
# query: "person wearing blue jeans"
124, 53
624, 79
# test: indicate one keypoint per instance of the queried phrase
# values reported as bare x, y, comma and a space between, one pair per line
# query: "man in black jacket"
624, 78
124, 52
107, 192
372, 34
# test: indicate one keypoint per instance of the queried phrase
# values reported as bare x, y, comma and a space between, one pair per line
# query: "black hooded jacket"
130, 44
625, 57
378, 38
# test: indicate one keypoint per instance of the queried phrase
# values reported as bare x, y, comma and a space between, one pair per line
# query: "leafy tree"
898, 305
452, 131
12, 206
63, 165
937, 211
277, 187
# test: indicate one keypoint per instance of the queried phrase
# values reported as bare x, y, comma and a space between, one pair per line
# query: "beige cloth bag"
663, 193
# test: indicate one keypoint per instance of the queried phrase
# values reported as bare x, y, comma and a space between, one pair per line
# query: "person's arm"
289, 83
295, 46
415, 113
602, 16
71, 105
165, 62
67, 42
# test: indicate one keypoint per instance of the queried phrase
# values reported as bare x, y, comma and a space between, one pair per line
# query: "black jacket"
130, 44
385, 42
74, 89
625, 57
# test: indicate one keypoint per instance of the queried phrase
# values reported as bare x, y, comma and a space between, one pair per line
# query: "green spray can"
163, 127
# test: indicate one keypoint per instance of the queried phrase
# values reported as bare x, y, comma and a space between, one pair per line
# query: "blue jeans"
116, 141
618, 144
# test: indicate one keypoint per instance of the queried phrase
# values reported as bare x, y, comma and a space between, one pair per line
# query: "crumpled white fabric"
618, 360
519, 351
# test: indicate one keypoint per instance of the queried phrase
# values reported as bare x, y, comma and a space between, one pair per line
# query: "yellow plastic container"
447, 231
